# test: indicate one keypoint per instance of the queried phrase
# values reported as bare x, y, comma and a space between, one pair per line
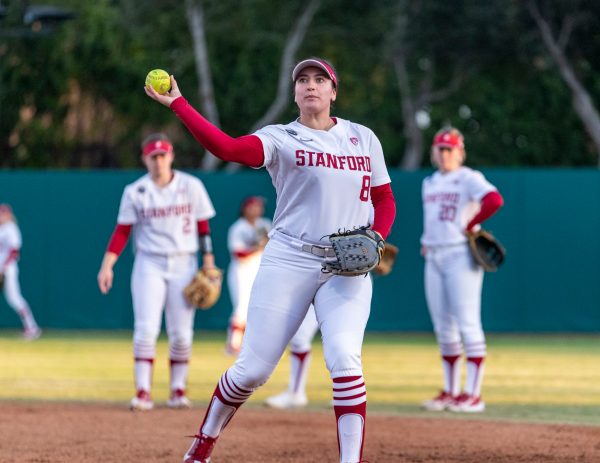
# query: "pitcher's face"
314, 91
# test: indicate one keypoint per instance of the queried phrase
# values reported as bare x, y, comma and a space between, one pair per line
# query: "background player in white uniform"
10, 245
456, 199
300, 351
167, 210
326, 172
246, 240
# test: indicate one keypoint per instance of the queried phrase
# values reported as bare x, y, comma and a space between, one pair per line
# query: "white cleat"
141, 402
466, 403
178, 400
439, 403
31, 334
286, 400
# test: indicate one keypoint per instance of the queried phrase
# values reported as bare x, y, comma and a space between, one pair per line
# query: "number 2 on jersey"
186, 224
366, 186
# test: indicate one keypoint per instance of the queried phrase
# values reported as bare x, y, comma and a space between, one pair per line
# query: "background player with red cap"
246, 239
168, 211
456, 200
326, 171
10, 245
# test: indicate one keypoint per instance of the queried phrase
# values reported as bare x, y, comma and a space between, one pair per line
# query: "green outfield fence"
550, 226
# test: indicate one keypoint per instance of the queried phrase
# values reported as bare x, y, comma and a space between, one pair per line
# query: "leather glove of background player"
357, 252
390, 252
205, 289
486, 250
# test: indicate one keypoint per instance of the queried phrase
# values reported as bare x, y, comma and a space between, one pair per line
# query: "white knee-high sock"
475, 370
451, 365
476, 353
143, 373
179, 374
299, 362
27, 319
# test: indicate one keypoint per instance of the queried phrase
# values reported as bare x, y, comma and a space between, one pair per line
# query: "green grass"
534, 378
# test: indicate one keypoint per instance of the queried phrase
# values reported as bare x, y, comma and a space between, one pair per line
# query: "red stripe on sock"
346, 379
476, 360
175, 362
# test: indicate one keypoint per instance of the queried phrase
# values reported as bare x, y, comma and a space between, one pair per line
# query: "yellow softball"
159, 80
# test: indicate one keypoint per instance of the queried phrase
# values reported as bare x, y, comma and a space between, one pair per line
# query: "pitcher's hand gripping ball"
159, 80
390, 252
357, 252
204, 290
486, 250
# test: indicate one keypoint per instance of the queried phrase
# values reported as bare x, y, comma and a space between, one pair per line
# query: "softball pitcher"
456, 200
10, 245
246, 240
326, 172
168, 211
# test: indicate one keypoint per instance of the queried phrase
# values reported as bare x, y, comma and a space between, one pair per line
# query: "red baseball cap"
448, 140
317, 63
157, 146
5, 208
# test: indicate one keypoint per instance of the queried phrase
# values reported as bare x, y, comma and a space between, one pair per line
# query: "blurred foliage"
73, 97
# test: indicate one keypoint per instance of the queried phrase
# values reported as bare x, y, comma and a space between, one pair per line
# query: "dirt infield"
54, 432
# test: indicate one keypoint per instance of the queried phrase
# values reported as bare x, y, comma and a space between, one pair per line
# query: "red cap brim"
157, 147
317, 64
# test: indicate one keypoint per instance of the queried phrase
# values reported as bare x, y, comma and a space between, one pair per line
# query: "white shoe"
142, 401
439, 403
287, 399
466, 403
178, 399
32, 334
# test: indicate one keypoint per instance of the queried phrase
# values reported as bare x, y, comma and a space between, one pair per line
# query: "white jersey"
10, 238
243, 235
164, 219
322, 178
450, 201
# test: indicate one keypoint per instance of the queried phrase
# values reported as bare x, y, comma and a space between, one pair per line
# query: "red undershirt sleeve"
119, 238
203, 227
247, 150
490, 203
384, 205
245, 253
